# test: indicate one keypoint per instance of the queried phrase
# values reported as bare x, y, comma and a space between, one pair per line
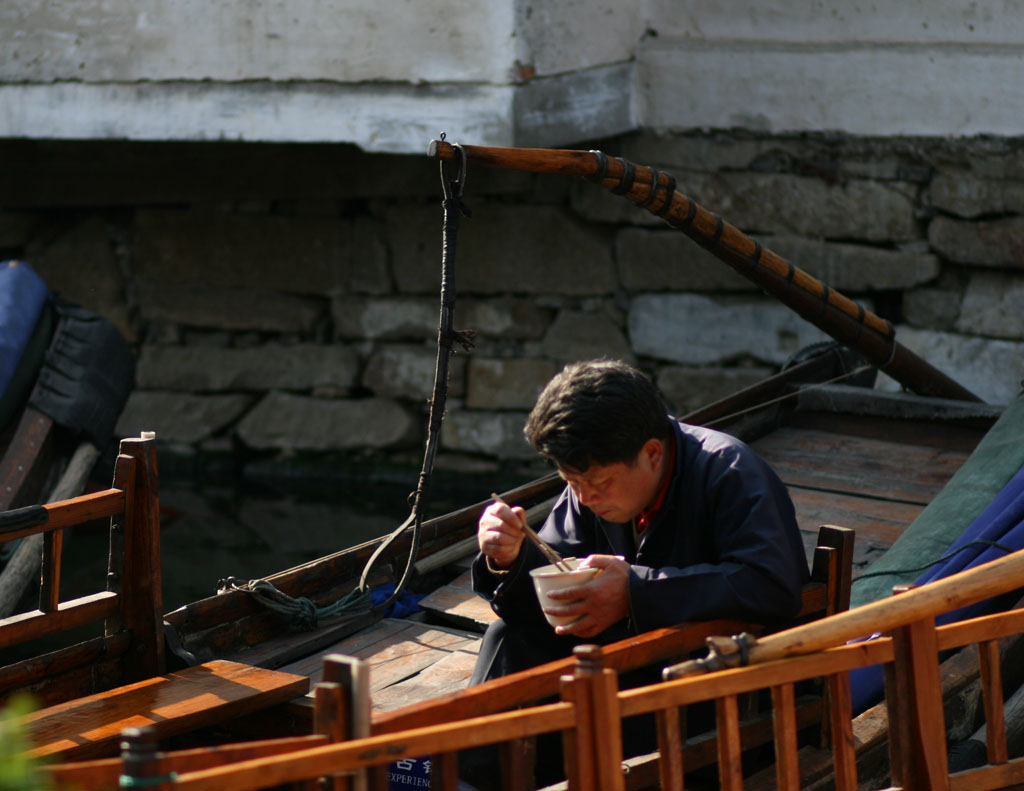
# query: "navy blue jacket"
725, 544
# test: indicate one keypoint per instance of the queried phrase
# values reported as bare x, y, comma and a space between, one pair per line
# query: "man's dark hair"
596, 412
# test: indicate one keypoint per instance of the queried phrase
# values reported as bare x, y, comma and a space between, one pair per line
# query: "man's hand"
500, 533
599, 602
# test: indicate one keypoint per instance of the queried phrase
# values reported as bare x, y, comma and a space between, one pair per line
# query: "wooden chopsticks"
547, 551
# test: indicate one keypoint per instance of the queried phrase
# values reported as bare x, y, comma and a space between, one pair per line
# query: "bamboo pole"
967, 587
840, 317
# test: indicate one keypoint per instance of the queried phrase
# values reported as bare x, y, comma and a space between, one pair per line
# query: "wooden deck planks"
875, 468
448, 674
399, 650
875, 486
877, 522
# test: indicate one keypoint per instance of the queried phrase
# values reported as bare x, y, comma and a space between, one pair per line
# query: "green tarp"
999, 455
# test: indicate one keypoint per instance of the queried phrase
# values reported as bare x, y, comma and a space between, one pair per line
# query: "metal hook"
458, 183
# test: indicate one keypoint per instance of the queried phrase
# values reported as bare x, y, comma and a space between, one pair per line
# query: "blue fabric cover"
22, 296
1001, 522
406, 604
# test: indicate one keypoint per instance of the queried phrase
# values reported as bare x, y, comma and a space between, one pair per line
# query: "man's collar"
647, 515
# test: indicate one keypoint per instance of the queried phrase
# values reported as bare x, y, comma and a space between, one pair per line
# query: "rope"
978, 542
301, 612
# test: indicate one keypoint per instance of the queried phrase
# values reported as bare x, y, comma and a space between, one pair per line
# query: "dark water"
208, 534
212, 532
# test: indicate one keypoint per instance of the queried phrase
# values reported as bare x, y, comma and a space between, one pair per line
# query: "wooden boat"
849, 455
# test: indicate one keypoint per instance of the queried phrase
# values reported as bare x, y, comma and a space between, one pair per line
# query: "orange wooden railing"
131, 606
591, 709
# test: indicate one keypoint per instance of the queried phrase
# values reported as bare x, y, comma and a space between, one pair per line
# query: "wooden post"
444, 772
602, 685
136, 574
670, 747
330, 719
833, 565
578, 744
352, 676
921, 725
516, 762
992, 697
140, 765
49, 581
844, 755
787, 768
730, 750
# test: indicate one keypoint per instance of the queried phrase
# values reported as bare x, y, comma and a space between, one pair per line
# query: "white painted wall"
389, 74
917, 67
347, 41
842, 22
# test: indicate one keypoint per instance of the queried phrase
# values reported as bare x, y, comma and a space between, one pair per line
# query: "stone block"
584, 335
503, 249
811, 207
303, 366
993, 305
687, 388
503, 317
493, 433
965, 194
932, 308
795, 205
506, 384
179, 417
991, 369
400, 371
681, 153
853, 267
285, 421
698, 330
594, 203
386, 318
996, 158
667, 260
228, 308
81, 266
997, 243
297, 255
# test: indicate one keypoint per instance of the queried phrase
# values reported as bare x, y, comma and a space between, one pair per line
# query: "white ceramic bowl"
550, 578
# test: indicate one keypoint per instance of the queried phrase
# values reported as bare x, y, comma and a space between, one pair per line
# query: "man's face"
619, 492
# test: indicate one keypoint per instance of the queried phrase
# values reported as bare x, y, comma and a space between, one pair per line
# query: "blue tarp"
1002, 522
22, 296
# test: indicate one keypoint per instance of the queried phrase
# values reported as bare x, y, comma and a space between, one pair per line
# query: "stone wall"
283, 300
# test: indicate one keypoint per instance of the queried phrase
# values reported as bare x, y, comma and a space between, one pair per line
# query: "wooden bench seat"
171, 704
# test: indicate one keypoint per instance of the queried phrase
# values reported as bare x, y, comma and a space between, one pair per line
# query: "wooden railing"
342, 701
590, 710
827, 593
132, 646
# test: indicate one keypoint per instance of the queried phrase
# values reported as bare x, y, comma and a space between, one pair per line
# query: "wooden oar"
547, 551
959, 590
824, 307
